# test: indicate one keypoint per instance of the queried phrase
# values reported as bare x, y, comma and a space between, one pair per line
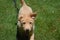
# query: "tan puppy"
26, 22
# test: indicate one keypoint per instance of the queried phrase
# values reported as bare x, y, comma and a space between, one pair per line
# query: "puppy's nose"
27, 33
27, 30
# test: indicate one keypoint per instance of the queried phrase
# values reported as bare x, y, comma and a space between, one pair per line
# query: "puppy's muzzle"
27, 30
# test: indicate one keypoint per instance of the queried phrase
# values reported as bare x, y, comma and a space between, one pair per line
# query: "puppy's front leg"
32, 37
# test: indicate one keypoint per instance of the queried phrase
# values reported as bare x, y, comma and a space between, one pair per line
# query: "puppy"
25, 25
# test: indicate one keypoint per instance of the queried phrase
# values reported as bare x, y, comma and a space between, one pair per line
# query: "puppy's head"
27, 21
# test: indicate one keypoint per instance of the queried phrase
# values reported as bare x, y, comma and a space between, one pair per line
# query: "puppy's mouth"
27, 31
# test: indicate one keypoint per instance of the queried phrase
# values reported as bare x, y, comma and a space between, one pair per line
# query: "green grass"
47, 21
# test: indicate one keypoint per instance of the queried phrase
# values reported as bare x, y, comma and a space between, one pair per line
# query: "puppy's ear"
33, 15
20, 17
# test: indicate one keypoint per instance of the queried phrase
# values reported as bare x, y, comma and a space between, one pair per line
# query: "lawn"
47, 23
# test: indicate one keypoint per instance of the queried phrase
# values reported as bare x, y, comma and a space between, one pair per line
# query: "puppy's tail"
22, 2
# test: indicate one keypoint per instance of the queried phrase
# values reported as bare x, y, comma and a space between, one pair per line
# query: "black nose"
27, 31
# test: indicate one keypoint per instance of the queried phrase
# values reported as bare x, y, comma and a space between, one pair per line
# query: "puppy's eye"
30, 22
23, 23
